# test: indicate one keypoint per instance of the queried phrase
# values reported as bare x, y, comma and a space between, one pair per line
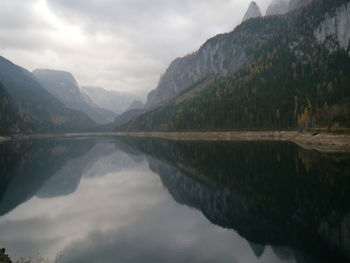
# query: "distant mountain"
41, 110
252, 12
112, 100
278, 7
277, 72
65, 88
136, 105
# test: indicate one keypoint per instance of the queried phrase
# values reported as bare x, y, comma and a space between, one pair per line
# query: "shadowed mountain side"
271, 194
41, 110
65, 88
10, 119
277, 72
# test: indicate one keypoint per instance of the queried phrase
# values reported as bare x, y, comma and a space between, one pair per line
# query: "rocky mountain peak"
253, 11
278, 7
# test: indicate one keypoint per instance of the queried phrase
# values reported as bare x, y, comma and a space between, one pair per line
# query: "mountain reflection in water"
107, 199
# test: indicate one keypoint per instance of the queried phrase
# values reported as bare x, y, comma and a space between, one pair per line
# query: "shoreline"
4, 139
323, 142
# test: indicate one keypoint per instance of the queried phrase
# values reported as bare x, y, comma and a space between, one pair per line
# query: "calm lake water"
118, 199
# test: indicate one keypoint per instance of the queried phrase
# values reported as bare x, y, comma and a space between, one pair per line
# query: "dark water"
111, 199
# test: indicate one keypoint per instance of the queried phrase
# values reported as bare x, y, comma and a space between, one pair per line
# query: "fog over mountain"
115, 101
65, 88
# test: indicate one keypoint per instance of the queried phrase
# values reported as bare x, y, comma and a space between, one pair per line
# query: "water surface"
118, 199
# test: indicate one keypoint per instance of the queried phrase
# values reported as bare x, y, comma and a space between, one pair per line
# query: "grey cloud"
19, 15
124, 44
161, 234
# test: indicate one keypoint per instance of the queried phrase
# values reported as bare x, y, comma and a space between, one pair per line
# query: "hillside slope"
42, 111
65, 88
10, 119
298, 73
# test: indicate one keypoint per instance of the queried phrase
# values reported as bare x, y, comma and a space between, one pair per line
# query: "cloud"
164, 233
117, 44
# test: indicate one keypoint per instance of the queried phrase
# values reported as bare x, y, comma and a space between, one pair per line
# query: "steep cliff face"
334, 30
277, 7
222, 55
252, 12
243, 79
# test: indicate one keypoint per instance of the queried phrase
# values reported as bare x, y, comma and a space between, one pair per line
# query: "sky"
123, 45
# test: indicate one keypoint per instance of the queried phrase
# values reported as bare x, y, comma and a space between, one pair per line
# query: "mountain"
136, 105
112, 100
277, 7
126, 117
252, 12
10, 119
222, 55
276, 72
42, 111
295, 4
65, 88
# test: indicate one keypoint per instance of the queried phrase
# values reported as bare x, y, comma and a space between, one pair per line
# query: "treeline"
10, 119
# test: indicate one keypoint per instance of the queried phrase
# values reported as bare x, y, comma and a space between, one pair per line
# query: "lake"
122, 199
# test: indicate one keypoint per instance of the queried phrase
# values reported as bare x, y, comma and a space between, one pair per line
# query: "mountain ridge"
42, 111
294, 78
114, 101
65, 88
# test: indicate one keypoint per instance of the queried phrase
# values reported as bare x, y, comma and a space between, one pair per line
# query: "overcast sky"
122, 45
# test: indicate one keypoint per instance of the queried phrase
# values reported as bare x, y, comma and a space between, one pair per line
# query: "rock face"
295, 4
335, 29
64, 87
277, 7
111, 100
222, 55
252, 12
